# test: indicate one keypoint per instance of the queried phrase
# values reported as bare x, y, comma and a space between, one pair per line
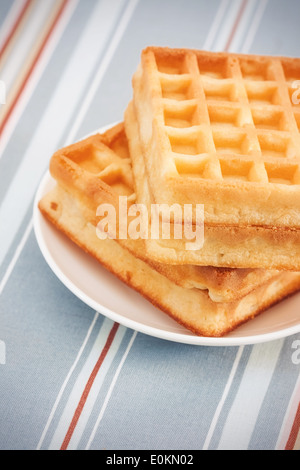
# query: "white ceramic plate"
99, 289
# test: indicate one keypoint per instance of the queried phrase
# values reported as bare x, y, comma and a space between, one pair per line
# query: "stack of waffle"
216, 130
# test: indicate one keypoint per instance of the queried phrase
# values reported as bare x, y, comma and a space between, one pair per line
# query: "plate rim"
190, 339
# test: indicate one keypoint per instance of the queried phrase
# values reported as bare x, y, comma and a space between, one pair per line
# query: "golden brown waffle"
221, 130
248, 223
224, 245
98, 170
191, 308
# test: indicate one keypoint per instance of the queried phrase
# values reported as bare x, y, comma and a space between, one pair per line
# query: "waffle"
191, 308
224, 245
208, 301
222, 130
98, 170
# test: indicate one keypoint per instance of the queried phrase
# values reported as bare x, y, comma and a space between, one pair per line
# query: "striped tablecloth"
69, 377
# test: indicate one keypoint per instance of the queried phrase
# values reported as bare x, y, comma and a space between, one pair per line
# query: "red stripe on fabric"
235, 26
15, 27
88, 387
294, 431
33, 66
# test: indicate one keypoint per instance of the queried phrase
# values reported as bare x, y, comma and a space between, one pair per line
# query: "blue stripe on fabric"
238, 377
5, 7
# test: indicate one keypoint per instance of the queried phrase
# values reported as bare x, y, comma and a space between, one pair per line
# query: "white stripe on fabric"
110, 391
289, 418
227, 25
36, 75
53, 123
64, 385
243, 414
241, 29
254, 26
80, 384
215, 28
20, 52
10, 20
102, 69
223, 398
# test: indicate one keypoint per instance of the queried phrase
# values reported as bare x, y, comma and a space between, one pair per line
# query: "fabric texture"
69, 377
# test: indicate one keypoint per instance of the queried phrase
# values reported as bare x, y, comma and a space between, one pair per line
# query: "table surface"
66, 68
